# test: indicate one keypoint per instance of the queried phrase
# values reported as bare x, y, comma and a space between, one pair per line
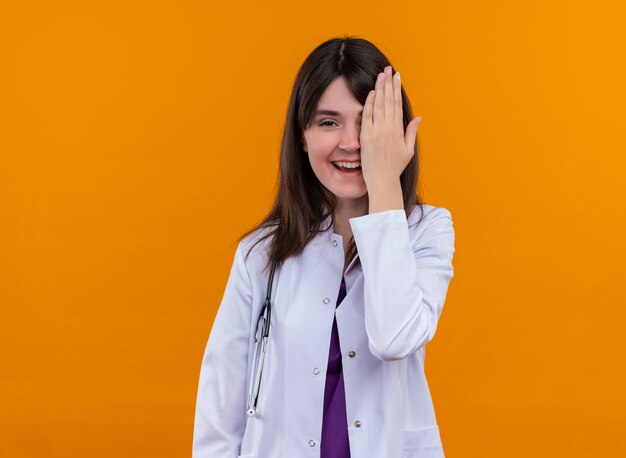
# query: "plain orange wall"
138, 140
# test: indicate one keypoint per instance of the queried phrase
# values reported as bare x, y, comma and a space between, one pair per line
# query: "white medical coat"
396, 288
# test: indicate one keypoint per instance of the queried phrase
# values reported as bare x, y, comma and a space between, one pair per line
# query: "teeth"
348, 165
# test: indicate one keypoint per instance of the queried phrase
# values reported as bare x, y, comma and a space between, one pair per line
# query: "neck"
346, 209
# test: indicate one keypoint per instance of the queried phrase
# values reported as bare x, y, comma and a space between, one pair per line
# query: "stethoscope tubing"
258, 359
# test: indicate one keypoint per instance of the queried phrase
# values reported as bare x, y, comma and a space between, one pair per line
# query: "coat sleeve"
405, 286
220, 417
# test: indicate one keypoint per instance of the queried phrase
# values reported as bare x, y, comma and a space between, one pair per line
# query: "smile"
353, 171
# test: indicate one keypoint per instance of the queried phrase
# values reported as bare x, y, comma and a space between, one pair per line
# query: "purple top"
335, 443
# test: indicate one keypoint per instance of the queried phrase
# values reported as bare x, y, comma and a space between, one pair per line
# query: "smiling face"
333, 136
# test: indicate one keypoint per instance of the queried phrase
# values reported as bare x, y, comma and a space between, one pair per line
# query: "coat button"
312, 443
316, 371
357, 424
326, 300
352, 354
334, 242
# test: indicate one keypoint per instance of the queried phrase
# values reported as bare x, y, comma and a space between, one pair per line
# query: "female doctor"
362, 272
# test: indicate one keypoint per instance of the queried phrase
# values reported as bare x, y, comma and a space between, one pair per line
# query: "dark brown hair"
302, 202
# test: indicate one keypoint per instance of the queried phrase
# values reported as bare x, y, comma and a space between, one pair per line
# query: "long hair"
302, 203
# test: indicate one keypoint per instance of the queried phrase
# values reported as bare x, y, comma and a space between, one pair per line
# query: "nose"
350, 138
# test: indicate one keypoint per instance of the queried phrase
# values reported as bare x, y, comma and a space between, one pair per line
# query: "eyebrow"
330, 113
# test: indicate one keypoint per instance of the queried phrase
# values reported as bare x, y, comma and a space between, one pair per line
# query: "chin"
352, 195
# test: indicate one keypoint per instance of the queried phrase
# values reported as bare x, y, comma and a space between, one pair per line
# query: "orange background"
139, 139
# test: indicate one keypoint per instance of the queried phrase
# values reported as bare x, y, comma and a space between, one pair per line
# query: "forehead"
337, 97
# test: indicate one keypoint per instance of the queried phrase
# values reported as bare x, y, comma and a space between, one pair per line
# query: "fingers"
379, 101
411, 133
388, 96
368, 109
387, 103
397, 96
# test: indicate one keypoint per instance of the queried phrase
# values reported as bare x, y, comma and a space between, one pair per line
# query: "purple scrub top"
335, 443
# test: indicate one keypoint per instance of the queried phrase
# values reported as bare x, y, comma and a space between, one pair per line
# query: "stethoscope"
258, 359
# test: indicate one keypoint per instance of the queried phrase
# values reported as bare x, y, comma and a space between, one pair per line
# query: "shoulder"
425, 213
425, 218
253, 249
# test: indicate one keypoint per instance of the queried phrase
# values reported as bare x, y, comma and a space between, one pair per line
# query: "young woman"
362, 272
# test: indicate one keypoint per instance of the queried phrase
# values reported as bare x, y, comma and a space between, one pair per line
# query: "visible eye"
329, 122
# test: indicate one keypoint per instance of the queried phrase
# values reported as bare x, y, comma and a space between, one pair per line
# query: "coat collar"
328, 236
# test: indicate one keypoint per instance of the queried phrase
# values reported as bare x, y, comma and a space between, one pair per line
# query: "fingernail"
397, 75
419, 119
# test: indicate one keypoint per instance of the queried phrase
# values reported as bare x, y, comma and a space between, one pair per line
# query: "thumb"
411, 133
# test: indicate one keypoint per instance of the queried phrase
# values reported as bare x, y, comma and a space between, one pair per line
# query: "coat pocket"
247, 456
422, 443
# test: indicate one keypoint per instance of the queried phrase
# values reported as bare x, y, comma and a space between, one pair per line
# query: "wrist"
383, 184
385, 195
